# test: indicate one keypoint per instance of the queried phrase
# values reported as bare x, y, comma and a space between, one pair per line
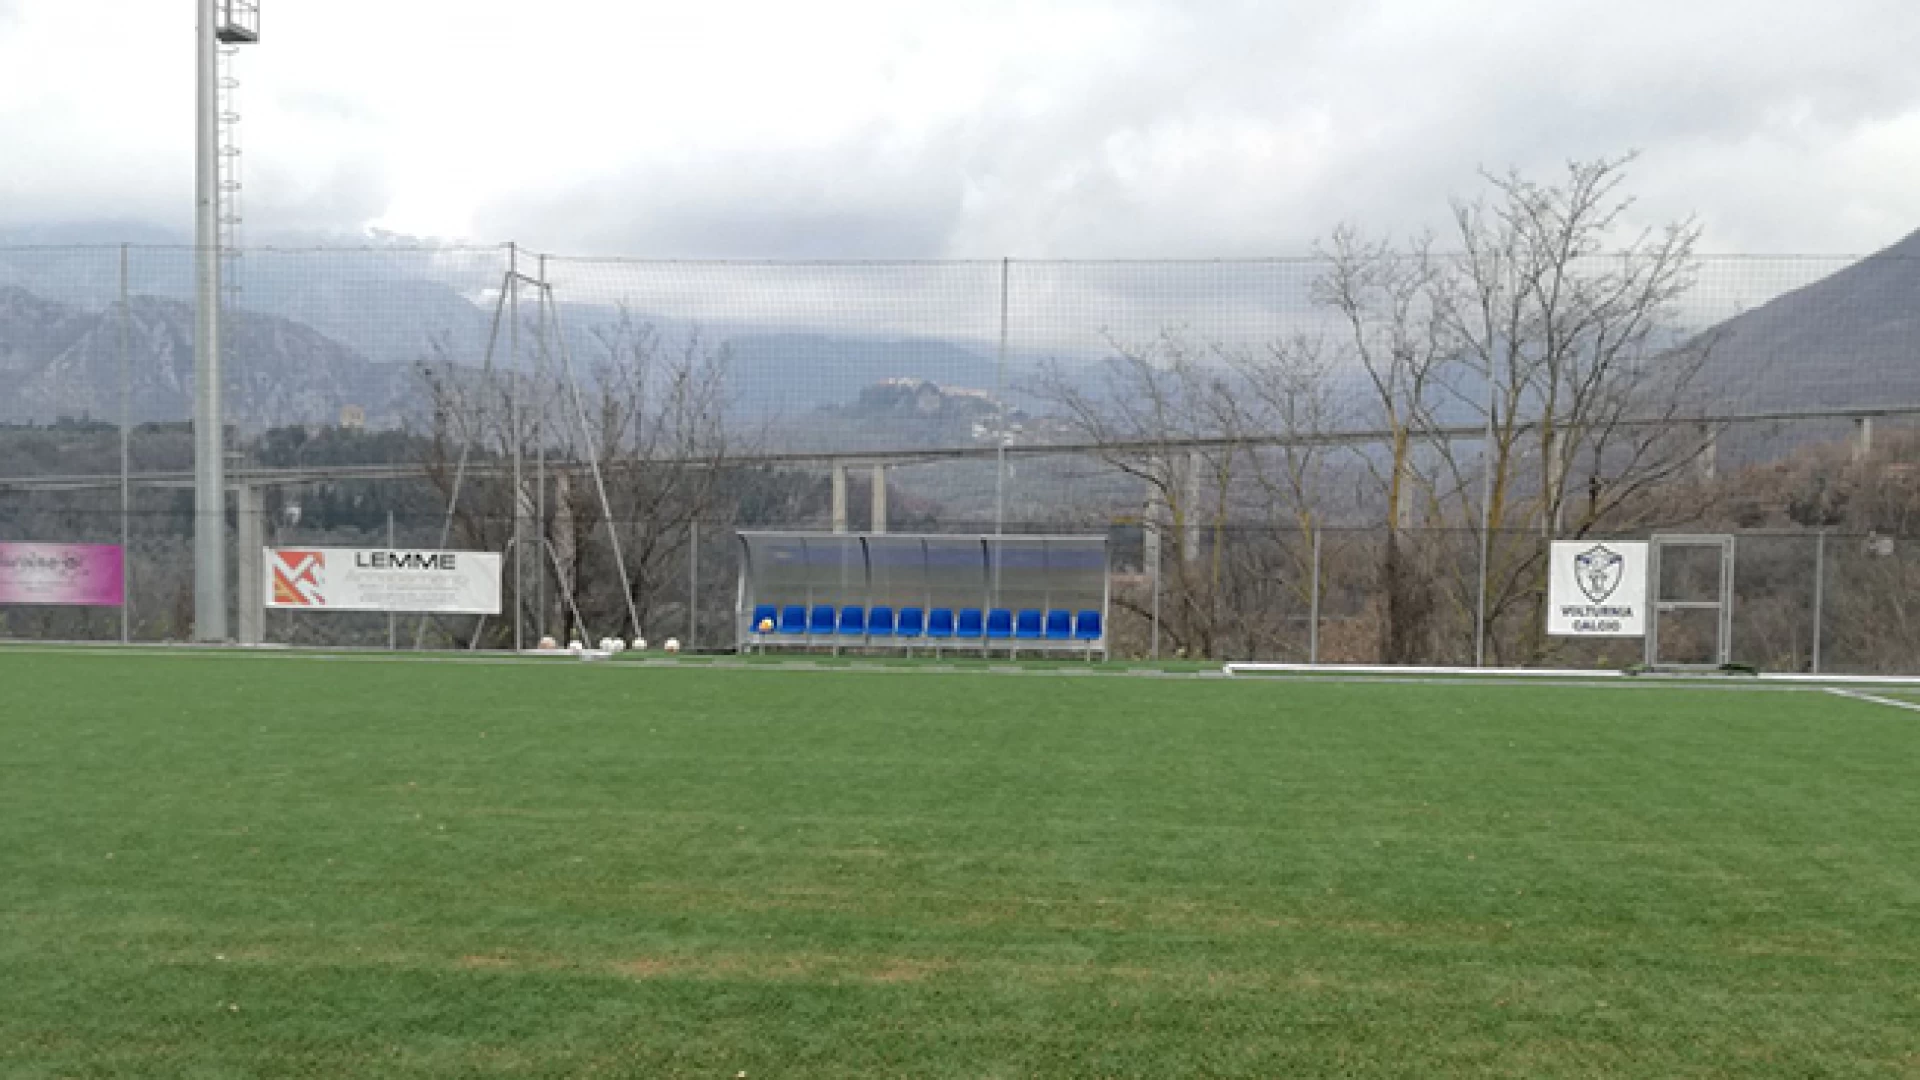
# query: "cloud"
869, 197
886, 128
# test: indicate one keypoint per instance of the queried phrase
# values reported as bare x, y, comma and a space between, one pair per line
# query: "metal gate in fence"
1691, 580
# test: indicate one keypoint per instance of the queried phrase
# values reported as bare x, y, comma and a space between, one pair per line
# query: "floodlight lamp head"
237, 22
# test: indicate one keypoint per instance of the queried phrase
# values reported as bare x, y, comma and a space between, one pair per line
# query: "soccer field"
232, 865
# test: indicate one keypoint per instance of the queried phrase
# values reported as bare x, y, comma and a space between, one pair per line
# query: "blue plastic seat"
999, 624
793, 619
940, 623
969, 626
1087, 626
880, 621
764, 615
853, 621
1059, 626
913, 623
1026, 626
822, 622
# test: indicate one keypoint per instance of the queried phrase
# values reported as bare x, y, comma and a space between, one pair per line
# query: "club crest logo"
1598, 572
298, 578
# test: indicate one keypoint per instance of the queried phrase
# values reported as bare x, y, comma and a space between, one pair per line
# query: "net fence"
1220, 421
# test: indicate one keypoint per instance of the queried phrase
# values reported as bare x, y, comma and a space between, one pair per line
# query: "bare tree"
1285, 403
1559, 331
1393, 329
658, 414
652, 414
1569, 326
1148, 405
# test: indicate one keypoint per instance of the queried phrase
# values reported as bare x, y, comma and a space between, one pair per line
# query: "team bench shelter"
988, 594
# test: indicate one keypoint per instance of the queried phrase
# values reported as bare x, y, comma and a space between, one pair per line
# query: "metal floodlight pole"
209, 452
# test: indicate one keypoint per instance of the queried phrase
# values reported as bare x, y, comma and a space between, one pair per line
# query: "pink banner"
90, 574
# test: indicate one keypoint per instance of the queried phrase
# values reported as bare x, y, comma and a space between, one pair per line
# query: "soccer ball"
574, 646
614, 644
547, 644
639, 644
606, 644
766, 626
672, 645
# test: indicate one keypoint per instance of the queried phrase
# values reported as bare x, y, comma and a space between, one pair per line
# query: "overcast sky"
897, 128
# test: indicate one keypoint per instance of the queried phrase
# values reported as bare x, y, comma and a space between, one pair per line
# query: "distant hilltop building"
353, 417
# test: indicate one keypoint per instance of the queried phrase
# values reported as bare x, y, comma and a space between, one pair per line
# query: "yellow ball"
766, 626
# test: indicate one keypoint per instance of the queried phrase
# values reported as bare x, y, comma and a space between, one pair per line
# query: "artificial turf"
224, 866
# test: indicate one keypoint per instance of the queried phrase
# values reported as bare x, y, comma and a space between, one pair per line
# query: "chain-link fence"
1225, 413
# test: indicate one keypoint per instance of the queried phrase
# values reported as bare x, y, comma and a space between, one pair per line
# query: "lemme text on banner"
1597, 589
78, 574
382, 579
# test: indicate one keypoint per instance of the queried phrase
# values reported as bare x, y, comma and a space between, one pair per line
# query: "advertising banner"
1597, 589
81, 574
383, 579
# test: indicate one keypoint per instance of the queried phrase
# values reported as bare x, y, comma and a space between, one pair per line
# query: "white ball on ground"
547, 644
574, 646
672, 645
639, 644
614, 644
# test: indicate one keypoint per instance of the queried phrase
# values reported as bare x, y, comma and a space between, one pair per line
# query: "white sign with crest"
1597, 588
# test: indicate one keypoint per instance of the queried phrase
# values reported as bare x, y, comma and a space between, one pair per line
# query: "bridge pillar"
839, 496
879, 499
1191, 539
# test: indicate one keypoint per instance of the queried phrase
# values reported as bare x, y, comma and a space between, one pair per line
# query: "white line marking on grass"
507, 659
1469, 673
1263, 667
1876, 699
1642, 683
1355, 674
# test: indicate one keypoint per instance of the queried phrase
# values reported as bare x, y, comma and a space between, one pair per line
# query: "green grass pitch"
218, 865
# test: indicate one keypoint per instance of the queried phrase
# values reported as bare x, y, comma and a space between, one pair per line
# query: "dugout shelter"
936, 592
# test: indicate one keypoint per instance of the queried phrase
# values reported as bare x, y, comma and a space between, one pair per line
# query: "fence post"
513, 427
393, 624
1819, 592
1486, 526
252, 605
1313, 604
126, 488
1480, 589
693, 585
1151, 542
1000, 404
